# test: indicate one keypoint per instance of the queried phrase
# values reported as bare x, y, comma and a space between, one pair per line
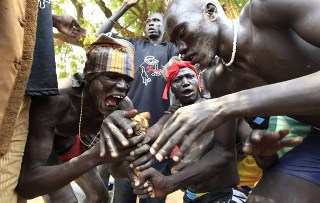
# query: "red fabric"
174, 151
76, 149
173, 70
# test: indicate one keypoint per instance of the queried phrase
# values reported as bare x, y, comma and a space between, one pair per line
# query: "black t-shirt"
148, 84
43, 77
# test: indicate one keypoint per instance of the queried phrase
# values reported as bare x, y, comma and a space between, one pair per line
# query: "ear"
211, 11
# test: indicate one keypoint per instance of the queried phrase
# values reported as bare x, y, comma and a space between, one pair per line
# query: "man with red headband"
208, 172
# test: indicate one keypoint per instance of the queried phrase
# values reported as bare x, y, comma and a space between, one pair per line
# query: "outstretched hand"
186, 124
117, 126
68, 25
266, 143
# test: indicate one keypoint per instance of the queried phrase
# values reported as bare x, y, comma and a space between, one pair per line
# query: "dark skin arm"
211, 164
108, 25
35, 174
196, 119
67, 25
288, 98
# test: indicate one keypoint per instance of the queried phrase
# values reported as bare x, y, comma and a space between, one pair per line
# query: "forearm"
56, 20
294, 97
211, 165
45, 179
108, 25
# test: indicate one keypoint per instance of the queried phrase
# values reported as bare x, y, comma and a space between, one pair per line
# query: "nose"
185, 82
121, 84
182, 47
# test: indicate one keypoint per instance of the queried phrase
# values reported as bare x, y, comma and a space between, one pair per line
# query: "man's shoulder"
66, 90
268, 12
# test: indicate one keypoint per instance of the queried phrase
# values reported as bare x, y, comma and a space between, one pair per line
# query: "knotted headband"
173, 70
109, 54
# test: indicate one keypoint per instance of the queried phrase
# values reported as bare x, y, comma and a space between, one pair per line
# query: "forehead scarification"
156, 15
185, 71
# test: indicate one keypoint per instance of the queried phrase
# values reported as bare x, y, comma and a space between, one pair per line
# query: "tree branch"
79, 9
67, 39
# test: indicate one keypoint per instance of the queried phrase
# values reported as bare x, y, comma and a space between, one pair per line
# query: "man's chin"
153, 35
204, 63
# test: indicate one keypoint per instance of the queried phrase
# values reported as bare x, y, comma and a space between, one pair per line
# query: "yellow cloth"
10, 163
249, 172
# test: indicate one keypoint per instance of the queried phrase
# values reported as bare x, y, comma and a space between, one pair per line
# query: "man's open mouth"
187, 92
113, 100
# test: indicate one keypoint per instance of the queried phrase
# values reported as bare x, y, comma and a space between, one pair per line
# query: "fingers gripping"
118, 134
169, 129
131, 114
105, 137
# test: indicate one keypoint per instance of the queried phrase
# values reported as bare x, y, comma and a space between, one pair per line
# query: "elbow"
29, 186
26, 191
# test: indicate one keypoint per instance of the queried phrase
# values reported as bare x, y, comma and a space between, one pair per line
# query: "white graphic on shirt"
42, 3
149, 68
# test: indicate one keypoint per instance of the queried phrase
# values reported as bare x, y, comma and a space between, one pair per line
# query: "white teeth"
116, 96
107, 104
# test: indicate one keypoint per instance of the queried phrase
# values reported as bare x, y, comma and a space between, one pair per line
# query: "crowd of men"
263, 65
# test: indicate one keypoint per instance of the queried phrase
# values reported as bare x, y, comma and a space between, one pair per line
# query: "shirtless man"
208, 173
80, 109
270, 42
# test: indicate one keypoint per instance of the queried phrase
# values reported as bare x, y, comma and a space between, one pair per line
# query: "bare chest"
269, 56
70, 124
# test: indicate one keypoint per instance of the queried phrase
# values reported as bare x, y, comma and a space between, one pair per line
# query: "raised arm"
108, 25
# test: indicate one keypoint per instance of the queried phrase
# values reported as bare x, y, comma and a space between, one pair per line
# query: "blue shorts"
303, 160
